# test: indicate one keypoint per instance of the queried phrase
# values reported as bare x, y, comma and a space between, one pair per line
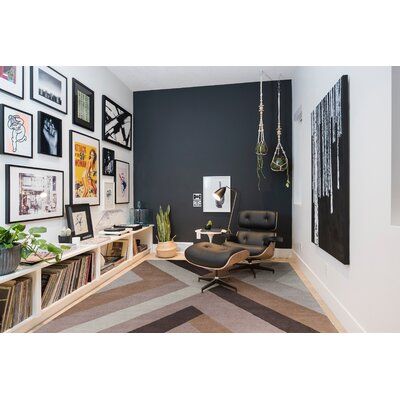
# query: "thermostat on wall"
197, 200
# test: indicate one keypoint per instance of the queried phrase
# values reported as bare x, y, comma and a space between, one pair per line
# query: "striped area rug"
165, 296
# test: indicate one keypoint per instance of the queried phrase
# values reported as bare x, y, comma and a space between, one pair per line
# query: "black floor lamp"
219, 194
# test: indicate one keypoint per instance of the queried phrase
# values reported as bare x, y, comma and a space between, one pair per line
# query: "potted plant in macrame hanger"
166, 247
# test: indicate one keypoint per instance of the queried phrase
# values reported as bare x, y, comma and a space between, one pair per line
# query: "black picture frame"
107, 159
43, 145
116, 130
23, 87
76, 88
72, 209
116, 181
9, 191
61, 77
2, 131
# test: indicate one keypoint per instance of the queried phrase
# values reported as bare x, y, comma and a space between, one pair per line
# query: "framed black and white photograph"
108, 162
16, 132
12, 80
117, 124
33, 193
210, 185
109, 195
49, 135
82, 105
50, 88
79, 220
122, 186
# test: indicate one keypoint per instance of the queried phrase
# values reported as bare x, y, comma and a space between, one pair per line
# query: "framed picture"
109, 195
84, 169
12, 80
33, 193
50, 88
82, 105
210, 185
108, 162
49, 135
16, 132
79, 220
122, 186
117, 124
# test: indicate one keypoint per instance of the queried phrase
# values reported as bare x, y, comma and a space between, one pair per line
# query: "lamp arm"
233, 207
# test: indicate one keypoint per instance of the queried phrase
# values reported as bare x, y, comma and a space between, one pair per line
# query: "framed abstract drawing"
34, 193
49, 135
12, 80
82, 105
84, 169
109, 195
210, 185
16, 132
108, 162
122, 186
79, 220
117, 124
50, 88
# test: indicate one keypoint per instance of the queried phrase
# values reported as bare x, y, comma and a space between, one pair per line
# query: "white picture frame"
12, 80
210, 185
122, 182
109, 195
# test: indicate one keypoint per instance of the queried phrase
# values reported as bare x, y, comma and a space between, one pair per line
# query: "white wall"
102, 81
366, 294
395, 146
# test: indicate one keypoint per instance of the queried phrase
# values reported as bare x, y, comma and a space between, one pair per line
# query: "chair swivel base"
252, 267
216, 280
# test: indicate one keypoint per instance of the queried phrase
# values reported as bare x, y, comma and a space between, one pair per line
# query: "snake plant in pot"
166, 247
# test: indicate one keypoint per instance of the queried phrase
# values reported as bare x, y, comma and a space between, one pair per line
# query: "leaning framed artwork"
84, 169
82, 105
16, 132
122, 185
12, 80
117, 124
49, 135
210, 185
50, 88
34, 193
79, 220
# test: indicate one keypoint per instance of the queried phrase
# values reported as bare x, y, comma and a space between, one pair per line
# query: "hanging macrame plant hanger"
261, 146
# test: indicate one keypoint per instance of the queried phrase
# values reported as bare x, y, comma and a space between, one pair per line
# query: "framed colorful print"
108, 162
122, 186
34, 193
82, 105
117, 124
79, 220
50, 88
109, 195
12, 80
16, 132
84, 169
49, 135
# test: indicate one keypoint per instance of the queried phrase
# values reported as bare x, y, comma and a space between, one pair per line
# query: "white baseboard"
348, 321
282, 253
182, 246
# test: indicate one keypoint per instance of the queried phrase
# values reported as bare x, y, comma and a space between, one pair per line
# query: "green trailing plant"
164, 225
261, 151
31, 242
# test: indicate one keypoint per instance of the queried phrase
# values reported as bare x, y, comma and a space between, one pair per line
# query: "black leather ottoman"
216, 258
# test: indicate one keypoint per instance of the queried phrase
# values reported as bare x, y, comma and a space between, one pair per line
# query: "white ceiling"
151, 78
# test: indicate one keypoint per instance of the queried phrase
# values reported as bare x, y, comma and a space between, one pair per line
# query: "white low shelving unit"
40, 315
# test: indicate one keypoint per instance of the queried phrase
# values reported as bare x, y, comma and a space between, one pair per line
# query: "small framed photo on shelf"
109, 195
82, 105
16, 132
50, 88
122, 183
49, 135
33, 193
108, 162
12, 80
79, 220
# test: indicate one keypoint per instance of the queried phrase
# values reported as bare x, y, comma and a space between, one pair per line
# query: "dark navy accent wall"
181, 135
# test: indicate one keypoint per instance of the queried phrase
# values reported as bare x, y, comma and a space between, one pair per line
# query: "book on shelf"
114, 254
113, 233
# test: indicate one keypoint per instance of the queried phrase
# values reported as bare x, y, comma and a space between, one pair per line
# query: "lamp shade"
219, 194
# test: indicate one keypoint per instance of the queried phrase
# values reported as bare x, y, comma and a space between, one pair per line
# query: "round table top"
211, 231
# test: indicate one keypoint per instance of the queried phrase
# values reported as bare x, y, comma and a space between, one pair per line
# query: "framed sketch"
109, 195
33, 193
108, 162
50, 88
49, 135
84, 169
210, 185
117, 124
12, 80
79, 220
82, 105
16, 132
122, 186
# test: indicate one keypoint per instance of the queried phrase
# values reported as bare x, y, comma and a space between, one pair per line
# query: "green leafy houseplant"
166, 247
261, 151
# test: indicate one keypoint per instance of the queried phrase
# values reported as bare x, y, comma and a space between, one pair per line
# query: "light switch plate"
197, 200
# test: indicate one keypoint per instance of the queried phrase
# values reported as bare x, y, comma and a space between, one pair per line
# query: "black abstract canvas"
117, 124
49, 135
330, 172
108, 162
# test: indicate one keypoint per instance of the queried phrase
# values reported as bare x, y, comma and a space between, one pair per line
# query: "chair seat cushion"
253, 250
209, 254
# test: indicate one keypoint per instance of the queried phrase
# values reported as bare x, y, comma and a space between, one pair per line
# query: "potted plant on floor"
15, 244
166, 247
